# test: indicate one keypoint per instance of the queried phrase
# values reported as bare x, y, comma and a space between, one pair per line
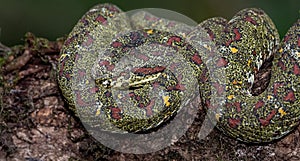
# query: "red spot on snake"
286, 38
135, 36
281, 65
237, 106
147, 71
124, 50
173, 39
108, 94
107, 65
207, 103
116, 44
155, 85
151, 18
296, 69
89, 41
68, 76
266, 121
149, 107
115, 113
143, 57
79, 100
77, 57
226, 30
189, 47
251, 20
101, 19
138, 98
178, 86
81, 73
233, 123
94, 90
203, 76
84, 21
220, 89
259, 104
228, 42
156, 53
196, 59
113, 9
210, 33
222, 62
61, 70
290, 96
171, 24
237, 34
131, 94
110, 67
69, 40
173, 66
104, 63
277, 85
141, 105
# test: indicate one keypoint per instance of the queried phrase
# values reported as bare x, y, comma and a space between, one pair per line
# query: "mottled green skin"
244, 43
143, 19
142, 106
92, 63
92, 32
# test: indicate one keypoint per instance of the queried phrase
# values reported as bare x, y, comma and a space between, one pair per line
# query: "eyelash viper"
105, 35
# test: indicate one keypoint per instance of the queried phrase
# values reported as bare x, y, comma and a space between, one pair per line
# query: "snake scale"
90, 78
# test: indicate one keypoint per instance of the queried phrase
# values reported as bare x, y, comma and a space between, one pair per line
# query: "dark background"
56, 18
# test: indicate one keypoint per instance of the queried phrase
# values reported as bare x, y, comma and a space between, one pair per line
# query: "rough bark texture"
36, 125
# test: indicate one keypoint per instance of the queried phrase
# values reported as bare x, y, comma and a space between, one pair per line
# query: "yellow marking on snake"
98, 112
230, 97
166, 100
150, 31
282, 112
249, 62
269, 97
217, 116
233, 50
234, 82
207, 47
120, 96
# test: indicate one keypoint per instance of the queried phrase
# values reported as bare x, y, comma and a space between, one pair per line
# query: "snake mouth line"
142, 76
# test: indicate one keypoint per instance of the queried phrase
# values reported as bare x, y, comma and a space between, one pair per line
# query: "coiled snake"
89, 75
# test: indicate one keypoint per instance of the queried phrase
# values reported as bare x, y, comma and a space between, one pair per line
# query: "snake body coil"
91, 81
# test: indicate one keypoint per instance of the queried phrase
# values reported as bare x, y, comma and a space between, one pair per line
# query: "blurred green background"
56, 18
